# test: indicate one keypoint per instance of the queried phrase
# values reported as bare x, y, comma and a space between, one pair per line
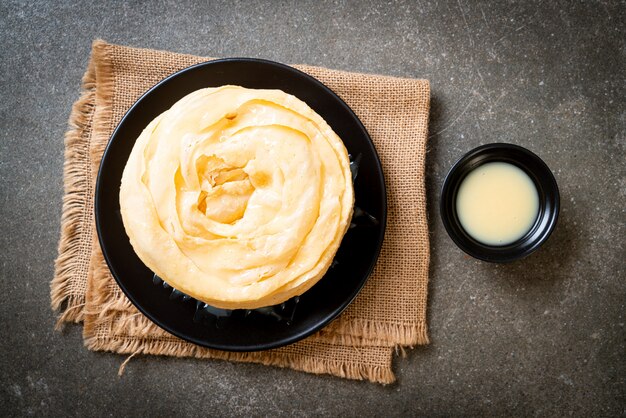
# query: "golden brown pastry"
238, 197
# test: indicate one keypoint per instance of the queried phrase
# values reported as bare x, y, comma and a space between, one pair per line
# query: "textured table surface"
542, 336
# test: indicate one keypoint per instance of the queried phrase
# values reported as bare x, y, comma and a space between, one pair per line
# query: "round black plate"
317, 307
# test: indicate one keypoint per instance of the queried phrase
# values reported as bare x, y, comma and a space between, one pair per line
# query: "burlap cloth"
390, 311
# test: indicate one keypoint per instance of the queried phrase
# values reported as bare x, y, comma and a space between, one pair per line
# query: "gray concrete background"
543, 336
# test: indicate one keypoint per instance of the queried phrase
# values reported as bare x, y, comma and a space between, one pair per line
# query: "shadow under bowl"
543, 180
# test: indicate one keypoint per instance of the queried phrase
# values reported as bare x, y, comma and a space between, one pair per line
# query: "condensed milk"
497, 203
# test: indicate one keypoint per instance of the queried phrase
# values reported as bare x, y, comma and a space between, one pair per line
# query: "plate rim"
257, 346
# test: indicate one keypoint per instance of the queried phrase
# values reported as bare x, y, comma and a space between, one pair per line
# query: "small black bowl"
547, 189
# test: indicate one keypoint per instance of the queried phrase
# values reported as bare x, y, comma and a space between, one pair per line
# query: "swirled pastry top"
237, 197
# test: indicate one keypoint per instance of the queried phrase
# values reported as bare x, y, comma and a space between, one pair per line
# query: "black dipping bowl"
546, 186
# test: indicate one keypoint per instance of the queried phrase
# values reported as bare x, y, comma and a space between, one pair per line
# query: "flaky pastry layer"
238, 197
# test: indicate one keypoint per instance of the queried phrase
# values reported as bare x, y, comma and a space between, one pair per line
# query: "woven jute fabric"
390, 311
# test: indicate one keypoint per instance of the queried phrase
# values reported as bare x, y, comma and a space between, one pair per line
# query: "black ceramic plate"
317, 307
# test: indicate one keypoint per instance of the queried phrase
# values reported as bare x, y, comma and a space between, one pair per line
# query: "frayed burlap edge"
75, 203
97, 306
178, 348
351, 331
102, 118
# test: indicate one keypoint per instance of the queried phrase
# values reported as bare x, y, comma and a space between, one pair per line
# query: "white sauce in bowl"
497, 203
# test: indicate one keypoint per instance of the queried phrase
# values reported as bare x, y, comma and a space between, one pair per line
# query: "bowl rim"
508, 253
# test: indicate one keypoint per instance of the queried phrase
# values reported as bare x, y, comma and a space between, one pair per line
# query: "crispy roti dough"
238, 197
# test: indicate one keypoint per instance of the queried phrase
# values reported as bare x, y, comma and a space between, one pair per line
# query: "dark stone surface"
542, 336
